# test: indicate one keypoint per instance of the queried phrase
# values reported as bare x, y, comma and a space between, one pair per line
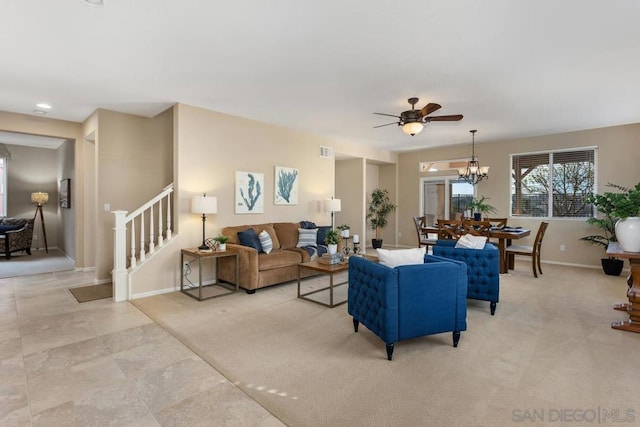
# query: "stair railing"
145, 235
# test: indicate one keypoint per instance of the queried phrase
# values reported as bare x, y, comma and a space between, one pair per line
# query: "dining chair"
423, 239
532, 251
497, 222
476, 228
449, 229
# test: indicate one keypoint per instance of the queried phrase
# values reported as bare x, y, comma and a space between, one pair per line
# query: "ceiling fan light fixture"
94, 3
412, 128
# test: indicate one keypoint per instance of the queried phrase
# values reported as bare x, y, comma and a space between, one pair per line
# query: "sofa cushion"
401, 256
278, 258
249, 238
307, 237
265, 242
287, 234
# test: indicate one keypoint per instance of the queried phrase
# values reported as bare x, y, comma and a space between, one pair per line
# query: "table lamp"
204, 205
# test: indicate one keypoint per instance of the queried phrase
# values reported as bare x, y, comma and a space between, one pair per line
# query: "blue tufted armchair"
483, 267
408, 301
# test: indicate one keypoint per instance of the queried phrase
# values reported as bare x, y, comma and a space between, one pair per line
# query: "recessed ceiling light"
40, 112
94, 3
43, 106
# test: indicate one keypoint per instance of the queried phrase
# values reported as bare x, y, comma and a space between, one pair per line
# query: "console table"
633, 294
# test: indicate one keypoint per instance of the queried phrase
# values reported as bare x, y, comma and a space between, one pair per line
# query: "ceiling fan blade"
388, 124
451, 118
390, 115
429, 108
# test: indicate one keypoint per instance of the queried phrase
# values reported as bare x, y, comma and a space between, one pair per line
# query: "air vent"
326, 152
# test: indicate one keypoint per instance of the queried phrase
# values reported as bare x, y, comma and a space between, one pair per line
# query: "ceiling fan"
412, 121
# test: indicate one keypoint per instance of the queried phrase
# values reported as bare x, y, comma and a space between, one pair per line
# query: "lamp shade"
204, 204
332, 205
39, 198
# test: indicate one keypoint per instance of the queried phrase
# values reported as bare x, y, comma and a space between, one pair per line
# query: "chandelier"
473, 173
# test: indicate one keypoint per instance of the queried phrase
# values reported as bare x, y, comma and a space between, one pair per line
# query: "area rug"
92, 292
548, 349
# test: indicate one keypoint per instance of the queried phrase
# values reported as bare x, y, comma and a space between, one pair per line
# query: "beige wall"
618, 157
66, 169
350, 189
134, 163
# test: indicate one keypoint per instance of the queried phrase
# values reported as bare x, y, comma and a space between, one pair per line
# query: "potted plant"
626, 206
380, 207
480, 206
344, 230
331, 240
611, 266
222, 242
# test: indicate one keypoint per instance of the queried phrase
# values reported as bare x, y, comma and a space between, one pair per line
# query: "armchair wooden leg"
390, 351
355, 325
492, 305
456, 338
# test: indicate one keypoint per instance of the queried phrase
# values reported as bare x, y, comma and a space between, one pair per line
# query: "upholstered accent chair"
408, 301
15, 235
483, 268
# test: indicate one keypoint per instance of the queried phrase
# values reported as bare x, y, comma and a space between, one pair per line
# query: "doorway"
444, 198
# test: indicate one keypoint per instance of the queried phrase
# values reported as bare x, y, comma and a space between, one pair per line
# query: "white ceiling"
512, 68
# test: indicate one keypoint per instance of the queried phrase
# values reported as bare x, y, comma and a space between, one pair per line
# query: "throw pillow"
468, 241
307, 237
249, 238
5, 228
401, 256
322, 231
265, 242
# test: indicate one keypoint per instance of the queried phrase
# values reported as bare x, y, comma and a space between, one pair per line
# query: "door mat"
93, 292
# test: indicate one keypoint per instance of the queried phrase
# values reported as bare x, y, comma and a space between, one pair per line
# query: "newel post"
119, 273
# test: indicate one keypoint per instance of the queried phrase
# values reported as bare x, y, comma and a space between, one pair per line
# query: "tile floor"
102, 363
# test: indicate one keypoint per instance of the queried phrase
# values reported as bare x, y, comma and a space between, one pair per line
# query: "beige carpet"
92, 292
38, 262
548, 350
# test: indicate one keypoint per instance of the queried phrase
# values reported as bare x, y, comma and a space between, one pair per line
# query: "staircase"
148, 230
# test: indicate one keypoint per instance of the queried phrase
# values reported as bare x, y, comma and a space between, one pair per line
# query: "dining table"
504, 235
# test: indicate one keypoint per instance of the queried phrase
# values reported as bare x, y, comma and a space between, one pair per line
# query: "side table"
633, 294
195, 253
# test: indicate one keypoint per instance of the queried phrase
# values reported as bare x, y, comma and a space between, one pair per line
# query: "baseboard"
156, 292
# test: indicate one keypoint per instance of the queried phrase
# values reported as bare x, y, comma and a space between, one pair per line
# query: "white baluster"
119, 273
132, 262
169, 216
152, 245
160, 238
142, 257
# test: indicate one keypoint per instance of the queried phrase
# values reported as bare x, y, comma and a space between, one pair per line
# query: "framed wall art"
286, 186
249, 192
65, 193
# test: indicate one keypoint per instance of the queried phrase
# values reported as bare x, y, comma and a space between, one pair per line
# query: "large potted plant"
606, 222
480, 207
626, 206
380, 207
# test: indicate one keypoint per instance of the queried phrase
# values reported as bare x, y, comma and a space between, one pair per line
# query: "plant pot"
345, 234
376, 243
333, 249
612, 267
628, 234
222, 247
477, 216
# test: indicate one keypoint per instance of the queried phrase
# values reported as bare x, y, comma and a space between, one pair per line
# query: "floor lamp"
41, 199
204, 205
332, 205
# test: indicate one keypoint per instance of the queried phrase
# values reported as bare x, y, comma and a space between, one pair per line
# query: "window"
553, 184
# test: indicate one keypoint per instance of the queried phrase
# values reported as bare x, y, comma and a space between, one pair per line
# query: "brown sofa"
15, 235
258, 270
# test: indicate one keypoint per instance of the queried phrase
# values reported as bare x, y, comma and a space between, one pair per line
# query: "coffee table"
327, 269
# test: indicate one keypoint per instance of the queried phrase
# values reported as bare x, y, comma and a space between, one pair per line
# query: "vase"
345, 234
333, 249
628, 234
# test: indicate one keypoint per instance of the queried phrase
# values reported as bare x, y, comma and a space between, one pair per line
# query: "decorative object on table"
473, 173
330, 259
286, 186
356, 244
65, 193
221, 241
380, 207
331, 239
344, 230
41, 199
626, 206
332, 206
606, 222
412, 121
249, 195
204, 205
480, 207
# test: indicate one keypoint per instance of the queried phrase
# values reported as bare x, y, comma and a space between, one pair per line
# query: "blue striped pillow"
265, 242
307, 237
